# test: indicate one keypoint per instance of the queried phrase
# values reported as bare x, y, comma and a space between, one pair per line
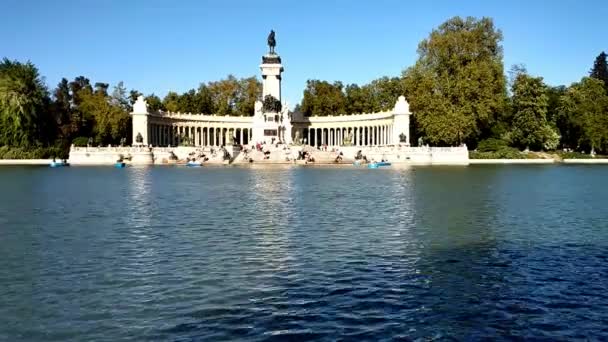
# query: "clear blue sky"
157, 46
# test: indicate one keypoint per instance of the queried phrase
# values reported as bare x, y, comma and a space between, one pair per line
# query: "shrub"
510, 153
491, 145
3, 150
503, 153
15, 153
34, 153
80, 141
574, 155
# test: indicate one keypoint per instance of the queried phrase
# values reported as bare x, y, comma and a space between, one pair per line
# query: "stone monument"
268, 122
401, 125
140, 116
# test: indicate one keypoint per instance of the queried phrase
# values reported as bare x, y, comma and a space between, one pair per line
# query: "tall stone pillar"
265, 126
401, 121
139, 117
271, 75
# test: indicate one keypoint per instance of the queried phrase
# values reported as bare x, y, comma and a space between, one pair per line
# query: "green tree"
584, 107
133, 95
187, 102
600, 69
357, 99
457, 87
110, 120
204, 100
530, 103
101, 88
250, 90
78, 84
224, 94
23, 101
385, 92
120, 97
80, 126
322, 98
62, 110
554, 95
171, 102
154, 103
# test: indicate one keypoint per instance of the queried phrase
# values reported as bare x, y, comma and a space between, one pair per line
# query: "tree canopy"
230, 96
530, 102
600, 69
23, 104
585, 106
457, 87
322, 98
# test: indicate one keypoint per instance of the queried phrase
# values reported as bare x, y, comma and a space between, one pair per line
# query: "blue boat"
194, 164
59, 163
376, 165
120, 165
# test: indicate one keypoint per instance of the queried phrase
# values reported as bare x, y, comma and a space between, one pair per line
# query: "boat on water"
60, 163
194, 163
120, 165
375, 165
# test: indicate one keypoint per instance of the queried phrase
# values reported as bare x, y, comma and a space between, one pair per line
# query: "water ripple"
279, 254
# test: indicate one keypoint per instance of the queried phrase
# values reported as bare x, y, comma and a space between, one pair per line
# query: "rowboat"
59, 164
376, 165
194, 164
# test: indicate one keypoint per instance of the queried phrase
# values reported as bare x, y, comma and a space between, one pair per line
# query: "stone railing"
344, 118
202, 117
106, 149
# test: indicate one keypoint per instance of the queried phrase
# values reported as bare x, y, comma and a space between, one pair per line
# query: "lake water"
284, 253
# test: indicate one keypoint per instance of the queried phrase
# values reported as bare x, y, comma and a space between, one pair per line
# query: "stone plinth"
271, 76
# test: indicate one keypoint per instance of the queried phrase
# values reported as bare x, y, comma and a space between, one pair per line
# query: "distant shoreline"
591, 161
46, 162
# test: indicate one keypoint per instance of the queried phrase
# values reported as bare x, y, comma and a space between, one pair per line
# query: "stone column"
375, 132
308, 138
383, 134
322, 140
334, 137
338, 130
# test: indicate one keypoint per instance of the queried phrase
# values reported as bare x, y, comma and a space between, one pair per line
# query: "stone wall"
167, 155
109, 155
